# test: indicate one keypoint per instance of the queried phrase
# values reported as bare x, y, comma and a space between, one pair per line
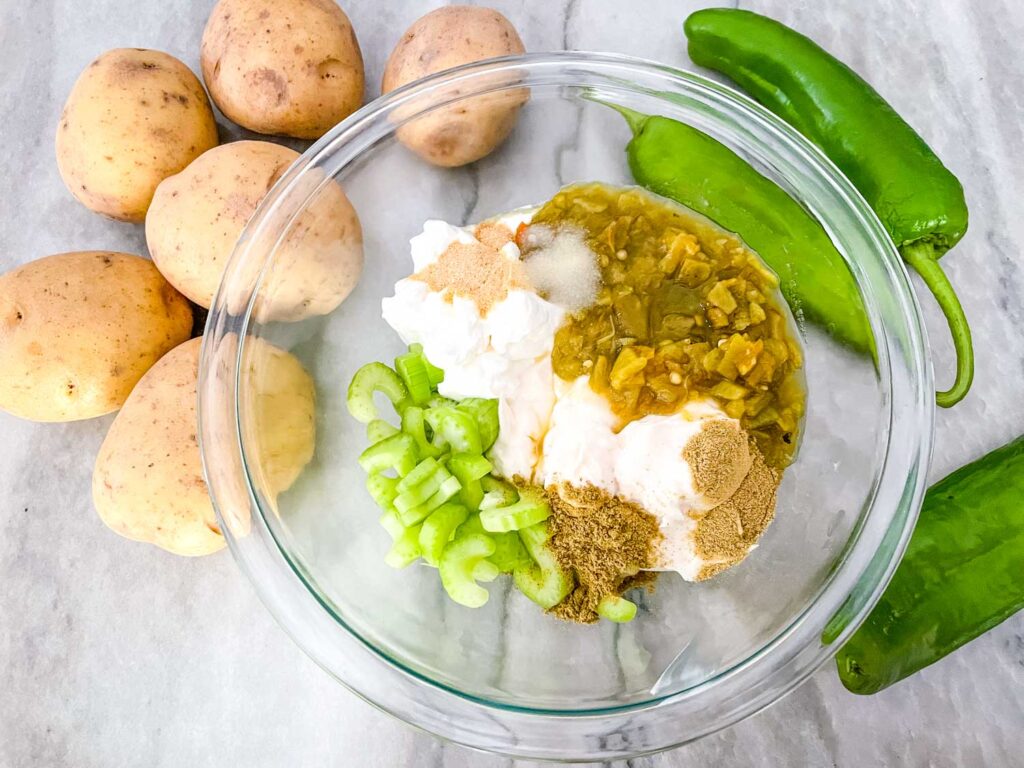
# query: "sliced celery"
419, 473
485, 413
412, 369
437, 530
469, 466
617, 609
458, 565
382, 489
390, 522
529, 510
456, 428
406, 549
509, 552
543, 581
374, 377
397, 452
414, 424
378, 429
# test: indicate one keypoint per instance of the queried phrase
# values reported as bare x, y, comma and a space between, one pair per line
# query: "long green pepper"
918, 200
962, 574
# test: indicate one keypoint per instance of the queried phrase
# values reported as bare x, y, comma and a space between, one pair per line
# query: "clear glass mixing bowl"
508, 678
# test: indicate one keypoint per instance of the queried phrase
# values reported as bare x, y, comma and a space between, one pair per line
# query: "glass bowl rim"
220, 321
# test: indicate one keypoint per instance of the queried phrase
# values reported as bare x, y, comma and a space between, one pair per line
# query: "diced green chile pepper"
919, 201
962, 574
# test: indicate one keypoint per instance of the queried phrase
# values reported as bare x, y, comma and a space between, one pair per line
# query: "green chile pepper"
688, 166
963, 573
919, 201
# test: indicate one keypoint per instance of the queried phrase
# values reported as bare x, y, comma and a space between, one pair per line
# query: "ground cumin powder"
603, 542
725, 535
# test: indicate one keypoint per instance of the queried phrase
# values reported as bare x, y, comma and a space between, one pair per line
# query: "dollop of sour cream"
482, 354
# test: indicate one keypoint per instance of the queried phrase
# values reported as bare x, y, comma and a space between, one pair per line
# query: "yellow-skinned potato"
148, 483
445, 38
133, 118
78, 330
285, 67
198, 215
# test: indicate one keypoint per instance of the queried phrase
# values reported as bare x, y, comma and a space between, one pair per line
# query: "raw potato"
78, 330
133, 118
198, 215
148, 483
445, 38
289, 67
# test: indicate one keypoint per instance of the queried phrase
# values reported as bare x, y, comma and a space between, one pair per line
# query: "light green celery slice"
374, 377
529, 510
437, 530
543, 581
455, 428
458, 565
617, 609
406, 549
378, 429
382, 489
397, 452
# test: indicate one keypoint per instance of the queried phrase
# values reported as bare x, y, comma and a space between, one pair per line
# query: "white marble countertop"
113, 653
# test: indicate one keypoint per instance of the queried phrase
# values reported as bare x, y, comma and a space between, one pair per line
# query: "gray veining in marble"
119, 654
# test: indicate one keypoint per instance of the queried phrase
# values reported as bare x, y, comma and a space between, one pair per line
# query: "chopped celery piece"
509, 552
543, 581
469, 469
458, 565
617, 609
508, 491
378, 429
406, 549
374, 377
456, 428
414, 424
439, 400
485, 570
390, 522
435, 374
529, 510
449, 487
413, 371
472, 494
419, 494
382, 489
437, 530
493, 499
472, 525
397, 452
420, 472
485, 413
469, 466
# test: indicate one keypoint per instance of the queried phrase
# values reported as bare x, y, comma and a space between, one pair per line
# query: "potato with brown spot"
447, 37
283, 67
198, 215
148, 482
78, 330
133, 118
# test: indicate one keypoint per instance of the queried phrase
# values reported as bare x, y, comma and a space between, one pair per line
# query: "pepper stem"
921, 256
633, 118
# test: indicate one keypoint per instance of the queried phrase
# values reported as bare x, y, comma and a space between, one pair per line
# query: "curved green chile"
962, 574
918, 200
688, 166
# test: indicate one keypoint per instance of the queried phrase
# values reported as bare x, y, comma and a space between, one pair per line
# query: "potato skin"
445, 38
148, 482
78, 330
133, 118
198, 215
283, 67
